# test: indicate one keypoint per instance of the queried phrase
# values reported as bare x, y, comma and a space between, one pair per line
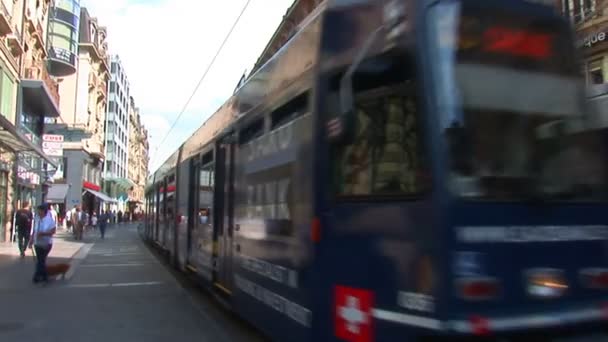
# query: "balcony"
40, 91
62, 62
15, 42
39, 72
5, 19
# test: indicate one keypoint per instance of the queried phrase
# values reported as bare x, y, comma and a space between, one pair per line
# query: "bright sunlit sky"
165, 47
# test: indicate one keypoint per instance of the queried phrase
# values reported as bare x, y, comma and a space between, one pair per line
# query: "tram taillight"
478, 288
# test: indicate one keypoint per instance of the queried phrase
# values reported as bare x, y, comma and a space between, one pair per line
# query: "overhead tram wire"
200, 81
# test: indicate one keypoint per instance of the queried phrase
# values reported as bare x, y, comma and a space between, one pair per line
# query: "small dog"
57, 269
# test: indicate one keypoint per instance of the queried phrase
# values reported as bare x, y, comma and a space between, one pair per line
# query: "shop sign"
52, 145
91, 186
28, 177
592, 39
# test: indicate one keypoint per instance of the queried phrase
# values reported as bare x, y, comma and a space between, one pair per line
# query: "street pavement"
117, 290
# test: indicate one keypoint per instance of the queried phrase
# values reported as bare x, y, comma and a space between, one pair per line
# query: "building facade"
589, 19
28, 98
84, 99
120, 103
138, 160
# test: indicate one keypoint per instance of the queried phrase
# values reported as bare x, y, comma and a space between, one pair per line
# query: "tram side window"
205, 194
385, 156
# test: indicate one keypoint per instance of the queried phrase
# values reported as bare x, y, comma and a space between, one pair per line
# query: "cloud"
166, 45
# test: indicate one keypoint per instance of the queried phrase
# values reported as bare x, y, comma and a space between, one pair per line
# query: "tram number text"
416, 301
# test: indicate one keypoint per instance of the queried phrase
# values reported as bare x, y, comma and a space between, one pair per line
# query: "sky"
165, 47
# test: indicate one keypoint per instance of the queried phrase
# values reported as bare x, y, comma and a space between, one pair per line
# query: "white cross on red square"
353, 308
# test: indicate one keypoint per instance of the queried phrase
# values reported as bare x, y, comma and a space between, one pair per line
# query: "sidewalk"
17, 272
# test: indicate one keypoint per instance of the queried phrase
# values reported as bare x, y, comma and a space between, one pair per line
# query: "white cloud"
166, 45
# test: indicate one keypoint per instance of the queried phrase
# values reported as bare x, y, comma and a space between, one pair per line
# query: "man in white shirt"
42, 241
69, 215
53, 213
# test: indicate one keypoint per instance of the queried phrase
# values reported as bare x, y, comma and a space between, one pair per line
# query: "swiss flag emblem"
353, 314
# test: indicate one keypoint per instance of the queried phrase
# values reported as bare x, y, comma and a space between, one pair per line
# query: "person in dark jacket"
23, 221
103, 223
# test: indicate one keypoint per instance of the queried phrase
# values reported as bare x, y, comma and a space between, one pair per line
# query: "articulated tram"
400, 170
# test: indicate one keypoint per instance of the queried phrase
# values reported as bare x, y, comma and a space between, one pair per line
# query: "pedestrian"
53, 213
23, 221
42, 242
80, 219
94, 221
68, 219
119, 216
103, 223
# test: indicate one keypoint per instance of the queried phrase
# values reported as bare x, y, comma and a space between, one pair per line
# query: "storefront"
4, 172
593, 46
15, 147
83, 174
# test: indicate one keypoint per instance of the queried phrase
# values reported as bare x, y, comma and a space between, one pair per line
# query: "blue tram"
400, 170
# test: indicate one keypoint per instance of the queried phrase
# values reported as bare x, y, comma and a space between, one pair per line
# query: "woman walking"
42, 241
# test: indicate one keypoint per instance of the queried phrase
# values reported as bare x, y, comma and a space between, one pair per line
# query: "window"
65, 167
85, 171
113, 67
63, 43
64, 31
205, 195
8, 95
595, 73
385, 157
579, 10
112, 107
112, 86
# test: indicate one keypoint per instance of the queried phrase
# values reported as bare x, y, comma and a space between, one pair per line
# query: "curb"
76, 259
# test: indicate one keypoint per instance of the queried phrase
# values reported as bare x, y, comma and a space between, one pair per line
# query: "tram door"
193, 205
224, 215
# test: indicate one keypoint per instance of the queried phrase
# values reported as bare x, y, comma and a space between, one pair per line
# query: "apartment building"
83, 108
28, 98
138, 160
589, 19
116, 180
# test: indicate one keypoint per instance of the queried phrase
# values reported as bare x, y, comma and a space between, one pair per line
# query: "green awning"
123, 183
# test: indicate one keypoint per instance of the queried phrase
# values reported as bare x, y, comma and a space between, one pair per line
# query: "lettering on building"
591, 40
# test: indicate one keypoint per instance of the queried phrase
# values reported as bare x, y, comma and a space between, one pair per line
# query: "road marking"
113, 265
89, 285
121, 254
147, 283
77, 260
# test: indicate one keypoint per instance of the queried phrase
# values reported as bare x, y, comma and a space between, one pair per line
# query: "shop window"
595, 72
3, 197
